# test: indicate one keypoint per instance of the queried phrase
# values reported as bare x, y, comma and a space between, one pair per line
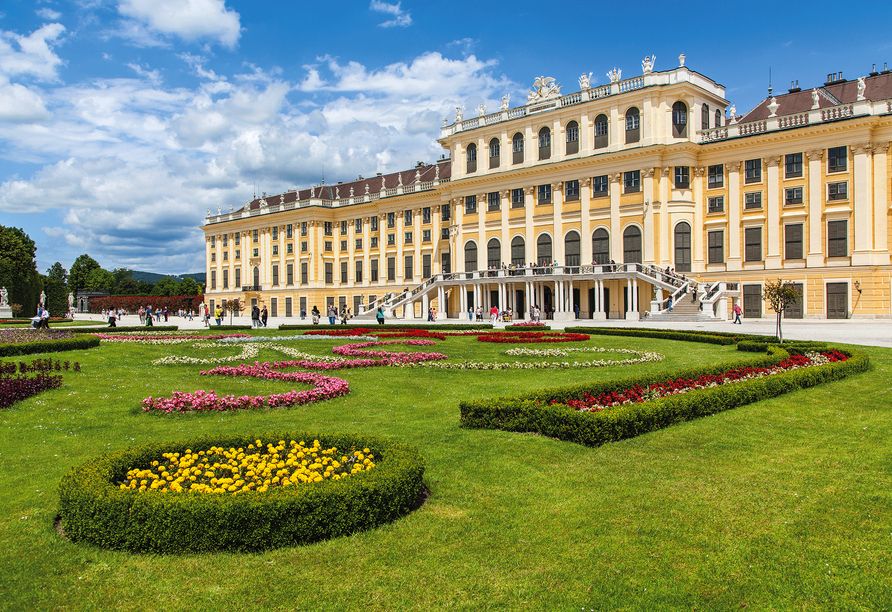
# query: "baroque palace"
608, 202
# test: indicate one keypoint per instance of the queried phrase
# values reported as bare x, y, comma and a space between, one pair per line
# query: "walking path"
863, 332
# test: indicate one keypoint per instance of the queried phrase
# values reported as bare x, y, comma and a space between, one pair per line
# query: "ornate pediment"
544, 88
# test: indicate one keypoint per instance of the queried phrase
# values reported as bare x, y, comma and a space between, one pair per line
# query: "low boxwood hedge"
229, 327
374, 325
664, 334
105, 329
48, 346
94, 509
535, 413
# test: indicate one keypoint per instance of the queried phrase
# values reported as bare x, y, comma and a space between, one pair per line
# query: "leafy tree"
780, 296
166, 286
80, 270
18, 270
144, 288
57, 272
127, 286
235, 307
56, 287
100, 280
189, 287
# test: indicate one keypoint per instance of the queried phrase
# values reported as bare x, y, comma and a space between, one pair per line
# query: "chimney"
794, 86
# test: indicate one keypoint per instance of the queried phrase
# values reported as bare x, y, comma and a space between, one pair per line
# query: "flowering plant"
16, 385
18, 336
389, 333
163, 338
530, 337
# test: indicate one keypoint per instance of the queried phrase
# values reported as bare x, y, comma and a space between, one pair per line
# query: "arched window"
544, 143
601, 246
493, 254
518, 251
256, 277
632, 245
683, 247
543, 250
718, 118
704, 117
517, 148
571, 249
633, 125
572, 138
679, 120
495, 152
470, 256
602, 137
472, 158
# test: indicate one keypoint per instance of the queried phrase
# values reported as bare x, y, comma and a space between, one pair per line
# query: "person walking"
379, 315
255, 316
218, 314
332, 314
315, 314
264, 316
737, 312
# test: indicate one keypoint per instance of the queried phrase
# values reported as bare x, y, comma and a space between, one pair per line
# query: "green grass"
780, 505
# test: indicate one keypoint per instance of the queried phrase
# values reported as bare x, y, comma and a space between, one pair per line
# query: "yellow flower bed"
255, 468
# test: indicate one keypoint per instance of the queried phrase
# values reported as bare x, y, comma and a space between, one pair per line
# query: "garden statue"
70, 301
4, 297
41, 301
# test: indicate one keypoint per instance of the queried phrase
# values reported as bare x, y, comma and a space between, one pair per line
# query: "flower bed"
21, 336
16, 385
530, 337
94, 509
164, 338
534, 324
257, 467
15, 342
238, 340
378, 332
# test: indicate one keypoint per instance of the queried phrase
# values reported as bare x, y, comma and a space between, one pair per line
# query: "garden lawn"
784, 504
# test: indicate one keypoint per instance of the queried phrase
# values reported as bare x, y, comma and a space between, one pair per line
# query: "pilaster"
815, 257
880, 208
863, 211
585, 220
616, 238
735, 256
773, 257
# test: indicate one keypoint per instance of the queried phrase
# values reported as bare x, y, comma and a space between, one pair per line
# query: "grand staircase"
686, 311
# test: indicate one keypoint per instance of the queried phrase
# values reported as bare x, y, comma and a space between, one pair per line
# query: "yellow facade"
797, 189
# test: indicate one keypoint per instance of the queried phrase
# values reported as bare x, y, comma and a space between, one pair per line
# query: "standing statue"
647, 65
585, 81
504, 102
861, 87
41, 301
615, 75
4, 297
459, 114
71, 301
815, 100
481, 110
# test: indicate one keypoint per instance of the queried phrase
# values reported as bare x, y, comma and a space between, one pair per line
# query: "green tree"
127, 286
166, 286
80, 270
188, 286
18, 270
100, 280
144, 288
57, 272
780, 296
235, 307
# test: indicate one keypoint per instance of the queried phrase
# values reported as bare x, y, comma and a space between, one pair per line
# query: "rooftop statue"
543, 89
861, 87
505, 102
615, 75
585, 81
481, 110
459, 114
647, 65
815, 100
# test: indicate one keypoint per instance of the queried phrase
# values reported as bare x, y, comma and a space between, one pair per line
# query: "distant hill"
152, 277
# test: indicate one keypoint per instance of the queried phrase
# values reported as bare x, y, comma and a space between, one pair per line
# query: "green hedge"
229, 327
533, 412
664, 334
531, 328
104, 329
94, 509
48, 346
374, 325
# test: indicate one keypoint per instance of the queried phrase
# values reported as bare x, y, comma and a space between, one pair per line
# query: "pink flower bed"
530, 337
386, 358
591, 403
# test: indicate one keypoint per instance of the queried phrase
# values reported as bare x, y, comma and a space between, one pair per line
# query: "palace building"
580, 202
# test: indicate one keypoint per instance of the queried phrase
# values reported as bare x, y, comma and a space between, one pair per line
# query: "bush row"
94, 509
47, 346
534, 413
373, 325
665, 334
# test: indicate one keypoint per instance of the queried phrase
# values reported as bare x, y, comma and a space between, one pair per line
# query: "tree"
235, 306
100, 280
189, 287
780, 296
18, 270
167, 286
80, 269
144, 288
57, 272
128, 286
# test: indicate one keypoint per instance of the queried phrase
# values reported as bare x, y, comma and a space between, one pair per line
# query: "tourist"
315, 313
218, 314
303, 314
343, 315
669, 304
494, 314
332, 314
264, 316
737, 312
111, 319
149, 316
255, 316
380, 315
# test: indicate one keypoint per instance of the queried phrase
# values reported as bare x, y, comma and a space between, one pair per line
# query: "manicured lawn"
780, 505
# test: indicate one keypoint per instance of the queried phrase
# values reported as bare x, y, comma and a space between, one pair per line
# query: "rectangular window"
716, 204
426, 214
837, 191
391, 239
226, 279
373, 242
289, 248
213, 242
275, 249
792, 165
544, 192
444, 233
275, 232
225, 255
213, 257
753, 243
357, 226
793, 241
213, 279
327, 228
256, 252
425, 235
407, 239
238, 239
445, 263
752, 171
715, 177
289, 274
289, 231
407, 218
358, 244
752, 200
425, 266
238, 253
275, 275
289, 307
343, 228
600, 186
343, 245
792, 195
329, 272
304, 273
682, 177
408, 269
470, 205
391, 268
716, 247
445, 212
837, 159
344, 278
838, 239
492, 201
238, 278
304, 246
571, 190
358, 271
328, 245
256, 236
517, 198
373, 223
225, 240
303, 228
373, 270
632, 181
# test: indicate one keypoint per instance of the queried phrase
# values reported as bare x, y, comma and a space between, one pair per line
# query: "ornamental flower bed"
258, 467
16, 385
239, 340
385, 358
378, 332
20, 336
164, 338
323, 387
590, 403
526, 324
531, 337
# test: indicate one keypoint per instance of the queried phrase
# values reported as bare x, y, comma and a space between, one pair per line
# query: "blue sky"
122, 121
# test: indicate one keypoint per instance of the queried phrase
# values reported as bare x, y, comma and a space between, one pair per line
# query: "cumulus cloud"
400, 17
20, 104
189, 20
31, 55
48, 14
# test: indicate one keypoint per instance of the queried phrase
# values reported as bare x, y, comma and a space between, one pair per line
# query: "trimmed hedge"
94, 509
531, 328
665, 334
229, 327
533, 412
105, 329
48, 346
374, 325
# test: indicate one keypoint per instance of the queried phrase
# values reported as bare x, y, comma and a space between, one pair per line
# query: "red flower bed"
15, 386
377, 331
591, 403
530, 337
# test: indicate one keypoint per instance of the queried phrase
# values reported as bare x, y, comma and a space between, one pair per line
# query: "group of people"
259, 316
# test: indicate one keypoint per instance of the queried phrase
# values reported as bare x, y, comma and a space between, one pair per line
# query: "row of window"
792, 196
837, 242
837, 161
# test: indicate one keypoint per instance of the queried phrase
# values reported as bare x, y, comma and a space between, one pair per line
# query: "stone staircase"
685, 310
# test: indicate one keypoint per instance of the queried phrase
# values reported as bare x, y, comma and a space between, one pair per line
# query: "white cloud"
34, 56
187, 19
20, 104
48, 14
400, 18
153, 76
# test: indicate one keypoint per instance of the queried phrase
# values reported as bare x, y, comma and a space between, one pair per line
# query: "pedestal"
5, 312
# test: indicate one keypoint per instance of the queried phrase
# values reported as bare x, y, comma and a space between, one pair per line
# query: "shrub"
382, 328
104, 329
665, 334
48, 346
94, 509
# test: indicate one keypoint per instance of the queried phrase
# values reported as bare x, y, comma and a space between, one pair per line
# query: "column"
664, 216
529, 194
880, 197
616, 232
815, 256
458, 243
698, 262
735, 256
482, 251
557, 198
382, 249
773, 257
441, 303
400, 251
863, 213
585, 185
504, 205
425, 305
437, 241
570, 306
649, 238
416, 258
